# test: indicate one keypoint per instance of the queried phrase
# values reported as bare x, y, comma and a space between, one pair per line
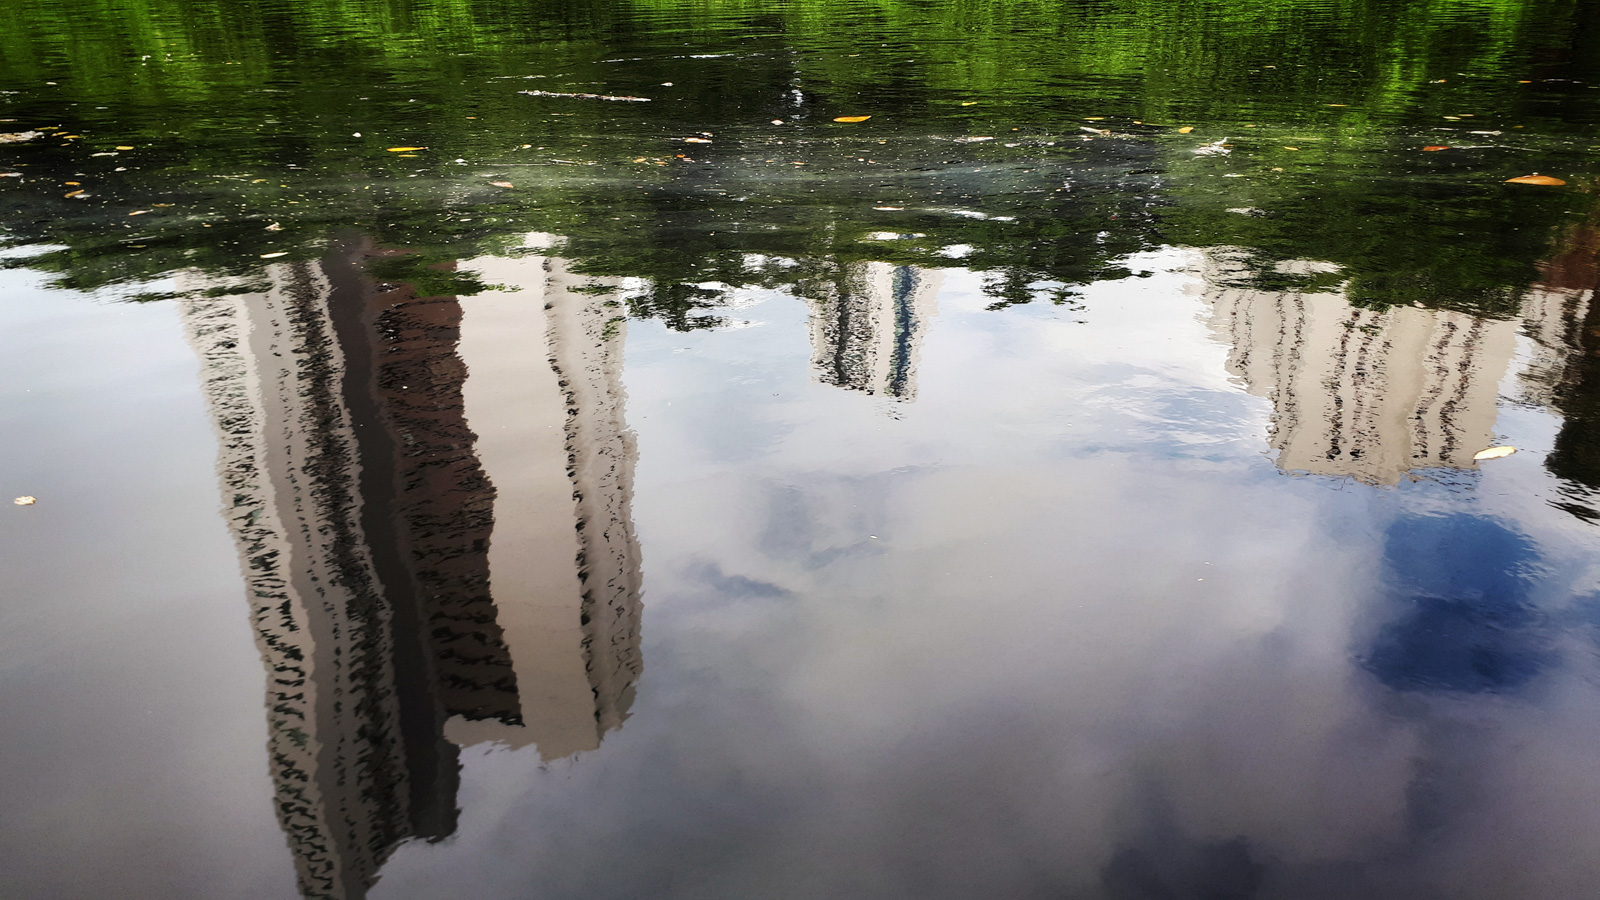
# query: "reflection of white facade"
1359, 393
1374, 395
273, 371
544, 395
867, 335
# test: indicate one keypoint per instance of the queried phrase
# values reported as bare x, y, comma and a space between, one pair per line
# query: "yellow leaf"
697, 140
405, 149
1094, 118
640, 159
274, 255
1494, 453
851, 118
1186, 129
1291, 148
74, 193
969, 103
1535, 179
26, 501
124, 147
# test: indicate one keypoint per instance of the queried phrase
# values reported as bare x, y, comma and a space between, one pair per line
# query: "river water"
805, 449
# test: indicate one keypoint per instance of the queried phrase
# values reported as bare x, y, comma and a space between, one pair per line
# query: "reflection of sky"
1466, 619
1057, 628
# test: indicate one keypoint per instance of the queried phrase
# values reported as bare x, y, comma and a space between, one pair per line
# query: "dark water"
506, 450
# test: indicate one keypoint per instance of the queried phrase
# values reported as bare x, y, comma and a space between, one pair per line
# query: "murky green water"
539, 450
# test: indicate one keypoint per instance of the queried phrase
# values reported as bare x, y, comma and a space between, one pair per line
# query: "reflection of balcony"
371, 536
1365, 394
866, 334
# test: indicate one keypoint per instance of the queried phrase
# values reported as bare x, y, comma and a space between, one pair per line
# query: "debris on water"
275, 255
696, 140
502, 184
274, 227
1494, 453
1186, 129
1432, 147
1215, 148
851, 118
76, 193
124, 147
17, 137
397, 150
566, 96
974, 140
25, 501
1536, 179
138, 212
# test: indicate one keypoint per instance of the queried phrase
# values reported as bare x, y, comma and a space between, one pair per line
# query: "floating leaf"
138, 212
504, 184
1494, 453
124, 147
851, 118
405, 149
969, 103
25, 501
697, 140
1535, 179
75, 193
1186, 129
1432, 147
1291, 148
275, 255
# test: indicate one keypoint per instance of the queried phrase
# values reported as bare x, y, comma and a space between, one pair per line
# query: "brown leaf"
1536, 179
1432, 147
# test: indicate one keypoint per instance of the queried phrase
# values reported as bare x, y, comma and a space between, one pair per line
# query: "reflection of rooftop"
866, 335
1365, 394
362, 514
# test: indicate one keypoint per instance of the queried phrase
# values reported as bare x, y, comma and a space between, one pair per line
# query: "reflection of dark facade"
866, 333
363, 518
1570, 278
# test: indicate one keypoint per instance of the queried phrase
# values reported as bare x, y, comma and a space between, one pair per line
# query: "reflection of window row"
866, 334
1366, 394
365, 522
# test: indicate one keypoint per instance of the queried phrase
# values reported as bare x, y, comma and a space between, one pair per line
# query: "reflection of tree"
363, 517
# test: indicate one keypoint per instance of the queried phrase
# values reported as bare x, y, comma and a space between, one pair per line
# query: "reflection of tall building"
363, 517
867, 330
1361, 393
564, 563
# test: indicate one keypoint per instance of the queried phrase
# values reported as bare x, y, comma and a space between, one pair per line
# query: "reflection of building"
1360, 393
363, 517
867, 331
564, 563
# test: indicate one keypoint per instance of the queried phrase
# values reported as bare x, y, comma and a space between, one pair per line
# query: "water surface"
534, 450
